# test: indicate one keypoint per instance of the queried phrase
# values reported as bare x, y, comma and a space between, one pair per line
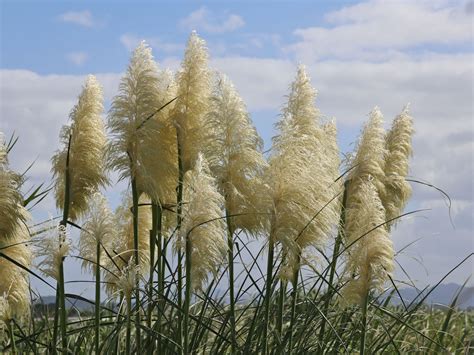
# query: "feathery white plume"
235, 157
12, 214
86, 153
398, 144
203, 223
52, 249
98, 227
140, 134
121, 247
303, 167
194, 86
370, 251
14, 242
369, 161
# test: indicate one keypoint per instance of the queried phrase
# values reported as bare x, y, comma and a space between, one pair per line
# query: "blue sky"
359, 54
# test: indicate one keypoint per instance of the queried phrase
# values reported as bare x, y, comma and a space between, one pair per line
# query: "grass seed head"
203, 223
193, 90
398, 145
98, 227
235, 157
86, 154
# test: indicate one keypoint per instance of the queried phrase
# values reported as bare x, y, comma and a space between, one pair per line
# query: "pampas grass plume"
194, 88
203, 223
235, 157
371, 258
301, 176
86, 154
398, 144
98, 227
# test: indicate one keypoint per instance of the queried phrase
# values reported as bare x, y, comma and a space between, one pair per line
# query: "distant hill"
70, 303
443, 295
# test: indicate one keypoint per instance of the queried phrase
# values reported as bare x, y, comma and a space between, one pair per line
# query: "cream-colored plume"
14, 242
370, 252
3, 150
14, 284
194, 88
12, 214
137, 150
158, 164
5, 315
203, 223
121, 248
301, 176
127, 278
86, 153
398, 144
51, 250
369, 161
98, 227
235, 157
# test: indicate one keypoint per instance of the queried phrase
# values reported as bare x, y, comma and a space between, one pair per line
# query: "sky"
359, 55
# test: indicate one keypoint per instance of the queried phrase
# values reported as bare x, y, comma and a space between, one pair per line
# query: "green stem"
281, 304
12, 336
62, 305
137, 263
187, 294
117, 318
268, 293
332, 273
294, 299
129, 324
230, 246
97, 299
56, 321
179, 219
61, 292
153, 231
363, 334
161, 280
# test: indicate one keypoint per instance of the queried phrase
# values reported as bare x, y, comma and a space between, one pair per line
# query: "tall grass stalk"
332, 272
281, 309
268, 292
55, 322
187, 294
363, 334
162, 243
129, 324
294, 299
156, 216
12, 336
97, 298
62, 313
137, 263
61, 293
230, 252
179, 220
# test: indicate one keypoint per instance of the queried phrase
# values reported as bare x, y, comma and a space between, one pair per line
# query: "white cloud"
131, 41
378, 29
77, 58
204, 20
81, 18
35, 107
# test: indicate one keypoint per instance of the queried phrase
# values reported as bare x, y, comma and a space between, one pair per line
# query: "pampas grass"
399, 149
84, 141
199, 181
